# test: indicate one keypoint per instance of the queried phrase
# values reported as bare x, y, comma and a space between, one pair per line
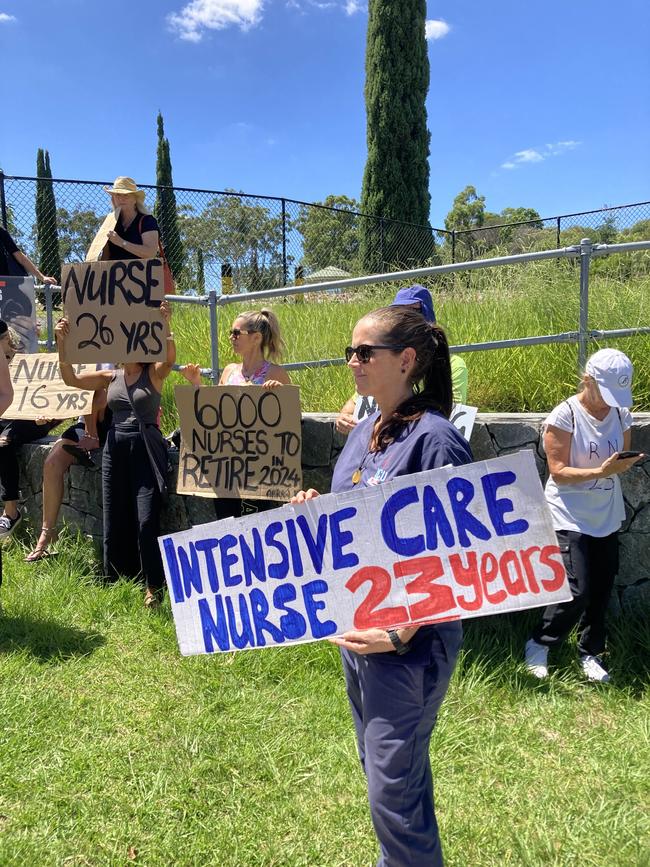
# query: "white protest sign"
438, 545
40, 391
462, 417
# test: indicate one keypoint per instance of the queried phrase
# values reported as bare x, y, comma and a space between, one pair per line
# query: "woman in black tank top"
134, 463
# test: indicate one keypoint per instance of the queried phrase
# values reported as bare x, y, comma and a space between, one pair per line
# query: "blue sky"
538, 105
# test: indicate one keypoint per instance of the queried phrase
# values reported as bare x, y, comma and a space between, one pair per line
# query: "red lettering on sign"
525, 555
439, 597
467, 576
546, 557
489, 573
516, 586
368, 614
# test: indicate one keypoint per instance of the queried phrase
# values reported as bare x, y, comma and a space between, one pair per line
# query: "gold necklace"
356, 475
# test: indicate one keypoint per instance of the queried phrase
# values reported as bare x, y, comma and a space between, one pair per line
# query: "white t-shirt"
595, 508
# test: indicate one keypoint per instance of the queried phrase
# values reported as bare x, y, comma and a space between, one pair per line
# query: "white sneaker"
593, 669
537, 659
8, 525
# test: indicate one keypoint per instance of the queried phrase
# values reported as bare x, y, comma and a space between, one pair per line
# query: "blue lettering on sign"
281, 569
253, 561
461, 494
340, 538
315, 546
292, 623
294, 547
313, 606
260, 608
214, 629
172, 565
190, 570
228, 560
206, 547
498, 507
407, 546
435, 520
245, 637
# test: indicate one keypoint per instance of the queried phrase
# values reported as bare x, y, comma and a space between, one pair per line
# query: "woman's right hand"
61, 330
303, 496
614, 465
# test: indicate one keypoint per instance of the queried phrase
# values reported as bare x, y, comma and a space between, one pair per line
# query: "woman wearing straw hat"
136, 235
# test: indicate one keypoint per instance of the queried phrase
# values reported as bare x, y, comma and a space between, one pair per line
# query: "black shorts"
76, 431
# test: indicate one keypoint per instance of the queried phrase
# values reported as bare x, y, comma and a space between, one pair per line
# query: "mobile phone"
623, 455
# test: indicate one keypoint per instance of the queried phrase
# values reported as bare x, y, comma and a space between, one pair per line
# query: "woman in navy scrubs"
396, 679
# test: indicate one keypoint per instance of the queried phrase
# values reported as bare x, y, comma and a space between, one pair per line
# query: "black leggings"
13, 434
132, 503
591, 563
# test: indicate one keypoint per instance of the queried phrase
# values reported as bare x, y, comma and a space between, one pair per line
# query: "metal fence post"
285, 269
49, 313
586, 248
214, 336
453, 246
381, 243
557, 233
3, 202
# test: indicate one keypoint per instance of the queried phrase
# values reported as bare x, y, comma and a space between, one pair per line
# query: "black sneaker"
8, 525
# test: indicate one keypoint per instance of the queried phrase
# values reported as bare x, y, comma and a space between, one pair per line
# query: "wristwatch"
398, 644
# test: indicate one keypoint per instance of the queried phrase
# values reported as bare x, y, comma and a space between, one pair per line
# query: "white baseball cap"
613, 372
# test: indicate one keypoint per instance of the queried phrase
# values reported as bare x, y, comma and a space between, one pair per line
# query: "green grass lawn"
115, 750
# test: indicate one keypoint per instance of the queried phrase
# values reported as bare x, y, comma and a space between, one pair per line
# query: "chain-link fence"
235, 242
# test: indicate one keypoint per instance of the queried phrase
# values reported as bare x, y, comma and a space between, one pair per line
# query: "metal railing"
585, 251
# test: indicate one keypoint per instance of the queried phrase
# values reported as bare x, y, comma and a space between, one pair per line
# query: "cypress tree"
200, 273
165, 207
396, 176
47, 237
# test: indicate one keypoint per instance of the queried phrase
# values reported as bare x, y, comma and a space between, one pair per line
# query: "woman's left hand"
365, 641
271, 383
166, 311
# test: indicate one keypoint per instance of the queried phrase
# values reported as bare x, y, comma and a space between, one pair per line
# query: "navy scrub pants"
394, 706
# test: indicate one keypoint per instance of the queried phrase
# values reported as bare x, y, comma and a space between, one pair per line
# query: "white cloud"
201, 15
5, 18
436, 28
538, 155
353, 6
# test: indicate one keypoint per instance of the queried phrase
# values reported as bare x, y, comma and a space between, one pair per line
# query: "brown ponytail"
266, 323
431, 374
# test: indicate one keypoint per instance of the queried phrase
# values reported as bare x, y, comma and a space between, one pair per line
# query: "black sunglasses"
235, 332
365, 351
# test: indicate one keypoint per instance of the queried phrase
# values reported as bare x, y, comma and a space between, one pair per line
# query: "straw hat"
123, 185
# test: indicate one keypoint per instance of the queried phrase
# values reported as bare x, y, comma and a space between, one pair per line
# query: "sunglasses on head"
235, 332
365, 351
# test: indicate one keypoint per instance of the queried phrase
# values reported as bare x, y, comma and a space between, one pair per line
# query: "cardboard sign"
462, 417
40, 391
439, 545
100, 241
17, 308
240, 441
113, 310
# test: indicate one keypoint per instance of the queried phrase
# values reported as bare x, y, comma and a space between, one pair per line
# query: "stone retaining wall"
493, 435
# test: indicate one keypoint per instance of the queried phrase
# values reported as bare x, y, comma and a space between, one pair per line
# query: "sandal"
41, 551
83, 457
152, 599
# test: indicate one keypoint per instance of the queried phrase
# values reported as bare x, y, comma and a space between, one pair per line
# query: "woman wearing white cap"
584, 439
136, 235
